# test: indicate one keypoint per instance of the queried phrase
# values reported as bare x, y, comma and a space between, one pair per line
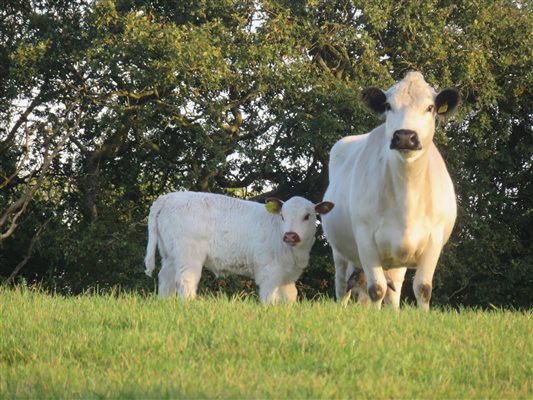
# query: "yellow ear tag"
442, 109
271, 207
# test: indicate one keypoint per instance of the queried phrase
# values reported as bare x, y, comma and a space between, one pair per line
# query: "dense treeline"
107, 104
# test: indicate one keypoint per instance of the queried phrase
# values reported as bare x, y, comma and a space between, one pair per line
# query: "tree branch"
28, 255
19, 206
23, 118
18, 168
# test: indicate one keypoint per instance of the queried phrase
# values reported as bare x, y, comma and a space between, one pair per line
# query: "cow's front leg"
422, 284
376, 282
376, 285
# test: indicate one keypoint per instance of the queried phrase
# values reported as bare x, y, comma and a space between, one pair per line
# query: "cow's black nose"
405, 139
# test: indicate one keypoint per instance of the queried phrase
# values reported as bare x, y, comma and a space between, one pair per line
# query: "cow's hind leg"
395, 279
357, 284
341, 265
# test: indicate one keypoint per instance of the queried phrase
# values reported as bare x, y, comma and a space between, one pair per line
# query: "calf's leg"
269, 293
269, 284
187, 278
288, 292
167, 279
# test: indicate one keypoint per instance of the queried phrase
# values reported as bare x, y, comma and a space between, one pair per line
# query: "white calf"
270, 243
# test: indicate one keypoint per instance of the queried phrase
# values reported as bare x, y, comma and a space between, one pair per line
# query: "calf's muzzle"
291, 238
405, 139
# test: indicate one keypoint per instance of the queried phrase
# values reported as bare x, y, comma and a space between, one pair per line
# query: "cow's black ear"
375, 99
446, 102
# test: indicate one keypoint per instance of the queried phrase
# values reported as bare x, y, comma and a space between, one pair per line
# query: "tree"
136, 98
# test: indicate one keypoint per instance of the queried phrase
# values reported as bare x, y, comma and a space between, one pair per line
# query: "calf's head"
298, 218
410, 108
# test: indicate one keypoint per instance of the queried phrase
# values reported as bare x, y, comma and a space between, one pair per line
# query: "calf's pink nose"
291, 238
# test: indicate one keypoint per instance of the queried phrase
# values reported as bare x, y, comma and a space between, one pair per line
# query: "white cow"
395, 200
270, 243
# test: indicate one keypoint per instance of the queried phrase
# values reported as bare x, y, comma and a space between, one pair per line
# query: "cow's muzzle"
291, 238
405, 139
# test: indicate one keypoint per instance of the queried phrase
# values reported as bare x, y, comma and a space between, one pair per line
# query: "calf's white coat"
228, 235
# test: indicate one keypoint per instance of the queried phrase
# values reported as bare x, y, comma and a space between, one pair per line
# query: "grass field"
130, 346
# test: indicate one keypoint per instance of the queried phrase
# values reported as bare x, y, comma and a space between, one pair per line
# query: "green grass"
129, 346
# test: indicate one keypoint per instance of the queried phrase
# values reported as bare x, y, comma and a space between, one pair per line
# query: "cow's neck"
409, 182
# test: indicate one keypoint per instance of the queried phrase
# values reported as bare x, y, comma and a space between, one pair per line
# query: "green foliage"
240, 95
135, 346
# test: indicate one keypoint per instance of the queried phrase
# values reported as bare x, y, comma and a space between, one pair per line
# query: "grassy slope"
134, 347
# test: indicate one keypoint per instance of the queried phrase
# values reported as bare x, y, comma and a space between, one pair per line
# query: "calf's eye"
430, 108
307, 217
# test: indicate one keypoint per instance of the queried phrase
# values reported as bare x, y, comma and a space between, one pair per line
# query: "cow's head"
298, 218
410, 108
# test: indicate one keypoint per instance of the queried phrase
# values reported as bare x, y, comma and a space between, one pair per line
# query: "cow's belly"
400, 247
339, 233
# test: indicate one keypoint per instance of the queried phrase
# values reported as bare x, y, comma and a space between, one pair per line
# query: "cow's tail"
153, 237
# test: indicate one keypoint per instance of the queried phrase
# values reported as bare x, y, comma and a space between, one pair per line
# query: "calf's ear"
375, 99
446, 102
273, 205
324, 207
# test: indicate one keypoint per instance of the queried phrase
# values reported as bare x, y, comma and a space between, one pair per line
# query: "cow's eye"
387, 107
307, 217
281, 215
430, 108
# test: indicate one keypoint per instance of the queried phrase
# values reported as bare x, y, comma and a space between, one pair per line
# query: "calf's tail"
149, 259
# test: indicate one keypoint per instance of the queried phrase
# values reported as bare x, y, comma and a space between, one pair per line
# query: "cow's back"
442, 192
346, 149
348, 168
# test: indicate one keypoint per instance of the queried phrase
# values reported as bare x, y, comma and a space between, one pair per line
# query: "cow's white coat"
394, 208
